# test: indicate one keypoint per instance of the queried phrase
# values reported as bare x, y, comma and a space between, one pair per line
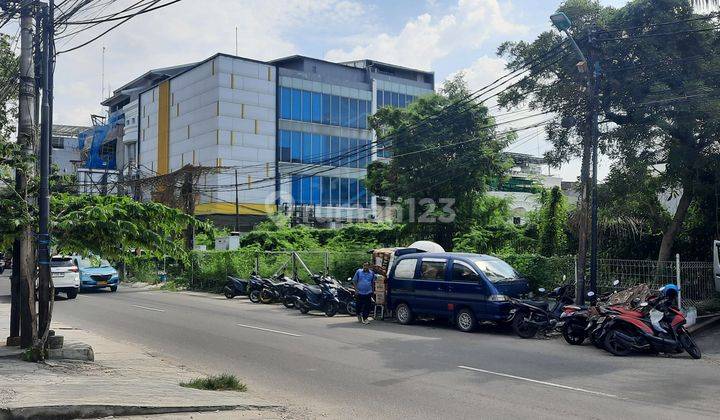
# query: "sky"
444, 36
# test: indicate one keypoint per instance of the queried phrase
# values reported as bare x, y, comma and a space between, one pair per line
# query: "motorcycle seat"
540, 304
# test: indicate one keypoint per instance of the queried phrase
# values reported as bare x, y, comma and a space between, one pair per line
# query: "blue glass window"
307, 153
306, 107
295, 107
284, 146
395, 99
353, 192
316, 189
353, 153
316, 107
285, 102
317, 149
343, 152
326, 191
380, 99
335, 150
335, 115
335, 191
362, 195
327, 151
344, 109
366, 151
295, 146
296, 187
402, 100
306, 183
362, 114
344, 192
326, 108
353, 115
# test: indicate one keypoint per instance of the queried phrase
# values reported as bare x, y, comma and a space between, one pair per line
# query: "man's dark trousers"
364, 302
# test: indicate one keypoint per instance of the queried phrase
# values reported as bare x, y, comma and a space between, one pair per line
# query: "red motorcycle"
656, 326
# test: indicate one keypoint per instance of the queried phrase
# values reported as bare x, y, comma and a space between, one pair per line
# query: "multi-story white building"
295, 129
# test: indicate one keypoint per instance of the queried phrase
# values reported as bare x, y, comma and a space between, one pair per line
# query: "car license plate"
58, 274
102, 283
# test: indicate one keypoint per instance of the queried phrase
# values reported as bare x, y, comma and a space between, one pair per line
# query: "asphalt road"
338, 368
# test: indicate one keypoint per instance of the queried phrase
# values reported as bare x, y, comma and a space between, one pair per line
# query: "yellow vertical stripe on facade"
193, 157
232, 81
269, 74
164, 128
257, 126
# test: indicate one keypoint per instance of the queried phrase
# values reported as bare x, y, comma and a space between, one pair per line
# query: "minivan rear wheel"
465, 320
404, 314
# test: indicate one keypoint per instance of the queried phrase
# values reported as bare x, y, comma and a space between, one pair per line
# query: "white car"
65, 275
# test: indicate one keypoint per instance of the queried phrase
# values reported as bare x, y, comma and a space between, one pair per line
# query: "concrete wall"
221, 113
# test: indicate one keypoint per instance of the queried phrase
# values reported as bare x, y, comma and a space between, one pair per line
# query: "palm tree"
706, 6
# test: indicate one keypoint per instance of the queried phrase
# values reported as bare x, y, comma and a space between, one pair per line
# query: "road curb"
702, 326
62, 412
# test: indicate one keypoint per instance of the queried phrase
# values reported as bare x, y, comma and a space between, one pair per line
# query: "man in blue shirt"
364, 280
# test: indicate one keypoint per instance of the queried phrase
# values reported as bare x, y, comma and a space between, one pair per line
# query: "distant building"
295, 129
523, 184
65, 151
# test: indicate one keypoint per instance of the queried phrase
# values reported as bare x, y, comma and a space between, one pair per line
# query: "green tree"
437, 159
553, 219
657, 93
114, 227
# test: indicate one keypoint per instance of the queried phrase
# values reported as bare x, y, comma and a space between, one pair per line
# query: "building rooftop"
151, 77
60, 130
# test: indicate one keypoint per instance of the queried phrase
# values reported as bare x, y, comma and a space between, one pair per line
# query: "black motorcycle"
276, 289
529, 317
322, 297
235, 287
255, 288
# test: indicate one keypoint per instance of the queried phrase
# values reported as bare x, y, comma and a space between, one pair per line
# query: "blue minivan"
465, 288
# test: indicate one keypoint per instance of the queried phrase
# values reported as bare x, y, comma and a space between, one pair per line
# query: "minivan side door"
467, 288
431, 286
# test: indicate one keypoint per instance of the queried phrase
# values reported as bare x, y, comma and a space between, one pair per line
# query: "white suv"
65, 275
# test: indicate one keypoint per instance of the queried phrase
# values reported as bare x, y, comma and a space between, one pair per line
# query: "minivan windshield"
496, 270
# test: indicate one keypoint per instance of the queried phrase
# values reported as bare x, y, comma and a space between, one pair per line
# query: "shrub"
224, 382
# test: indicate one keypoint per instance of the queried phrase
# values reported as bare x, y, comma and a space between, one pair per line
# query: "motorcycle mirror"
591, 294
644, 304
541, 290
616, 282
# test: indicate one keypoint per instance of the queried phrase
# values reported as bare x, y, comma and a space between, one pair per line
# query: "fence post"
327, 263
294, 266
677, 279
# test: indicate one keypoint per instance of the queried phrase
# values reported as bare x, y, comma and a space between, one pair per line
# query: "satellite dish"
427, 246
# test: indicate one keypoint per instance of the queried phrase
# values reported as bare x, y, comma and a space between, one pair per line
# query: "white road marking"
505, 375
149, 309
269, 330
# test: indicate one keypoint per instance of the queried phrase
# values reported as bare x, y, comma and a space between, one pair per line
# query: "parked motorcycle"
255, 288
321, 298
276, 289
235, 287
530, 317
656, 326
580, 322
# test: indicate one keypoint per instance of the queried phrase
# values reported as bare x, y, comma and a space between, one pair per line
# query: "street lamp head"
561, 21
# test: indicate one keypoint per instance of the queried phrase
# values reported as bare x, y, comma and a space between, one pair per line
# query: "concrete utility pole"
25, 267
237, 203
593, 99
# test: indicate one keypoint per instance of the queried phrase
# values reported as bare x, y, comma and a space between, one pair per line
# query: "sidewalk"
122, 381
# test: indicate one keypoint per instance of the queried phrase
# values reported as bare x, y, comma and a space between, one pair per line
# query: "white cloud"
188, 31
427, 38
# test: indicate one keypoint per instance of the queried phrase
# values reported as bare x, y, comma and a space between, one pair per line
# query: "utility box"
227, 243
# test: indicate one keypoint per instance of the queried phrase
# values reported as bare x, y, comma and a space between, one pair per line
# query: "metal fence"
209, 270
694, 278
